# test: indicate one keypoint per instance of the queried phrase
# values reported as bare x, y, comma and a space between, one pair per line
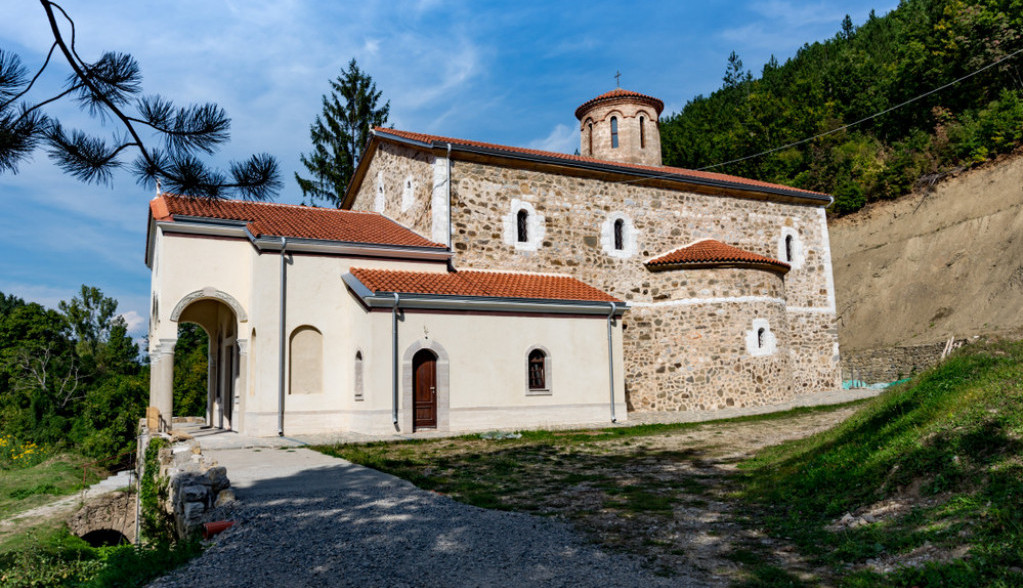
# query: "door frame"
443, 373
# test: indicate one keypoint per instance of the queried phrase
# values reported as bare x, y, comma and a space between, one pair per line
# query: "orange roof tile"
661, 171
482, 284
616, 94
711, 252
288, 220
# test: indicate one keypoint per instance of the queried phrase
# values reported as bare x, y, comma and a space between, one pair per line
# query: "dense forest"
920, 46
72, 379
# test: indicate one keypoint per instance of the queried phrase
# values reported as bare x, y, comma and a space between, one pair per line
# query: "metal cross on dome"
618, 79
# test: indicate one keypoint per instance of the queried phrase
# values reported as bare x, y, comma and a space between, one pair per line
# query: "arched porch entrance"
220, 316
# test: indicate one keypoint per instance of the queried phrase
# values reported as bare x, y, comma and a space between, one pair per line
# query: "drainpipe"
394, 361
284, 294
611, 360
450, 243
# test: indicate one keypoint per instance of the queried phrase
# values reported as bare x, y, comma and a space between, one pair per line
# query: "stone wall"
888, 364
400, 184
569, 233
631, 148
195, 485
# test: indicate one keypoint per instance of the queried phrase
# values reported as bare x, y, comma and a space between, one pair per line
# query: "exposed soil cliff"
935, 264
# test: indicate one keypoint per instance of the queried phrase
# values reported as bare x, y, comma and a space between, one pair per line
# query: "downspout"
450, 239
284, 293
394, 361
611, 360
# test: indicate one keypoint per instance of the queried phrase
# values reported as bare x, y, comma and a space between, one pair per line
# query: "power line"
871, 117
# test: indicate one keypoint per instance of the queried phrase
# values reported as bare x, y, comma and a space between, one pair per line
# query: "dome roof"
619, 94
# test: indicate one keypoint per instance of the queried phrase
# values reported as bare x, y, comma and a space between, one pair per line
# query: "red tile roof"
484, 284
662, 171
288, 220
710, 252
615, 95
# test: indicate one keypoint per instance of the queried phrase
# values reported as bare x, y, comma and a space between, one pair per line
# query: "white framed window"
790, 248
379, 202
760, 341
618, 236
359, 390
408, 193
538, 371
524, 228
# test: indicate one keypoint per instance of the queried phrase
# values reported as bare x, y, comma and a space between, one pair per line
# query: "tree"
340, 135
110, 89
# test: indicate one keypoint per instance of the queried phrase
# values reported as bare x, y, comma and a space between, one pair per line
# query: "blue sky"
510, 73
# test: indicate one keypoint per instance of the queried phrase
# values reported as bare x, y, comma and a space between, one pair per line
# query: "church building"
470, 286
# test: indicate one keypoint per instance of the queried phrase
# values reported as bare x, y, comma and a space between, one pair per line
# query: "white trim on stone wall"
630, 236
718, 300
379, 199
811, 309
770, 343
536, 226
798, 254
548, 389
439, 202
408, 194
829, 276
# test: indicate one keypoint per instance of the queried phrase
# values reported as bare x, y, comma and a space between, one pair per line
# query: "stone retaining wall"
888, 364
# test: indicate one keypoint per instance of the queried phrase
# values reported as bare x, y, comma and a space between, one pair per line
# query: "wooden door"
424, 390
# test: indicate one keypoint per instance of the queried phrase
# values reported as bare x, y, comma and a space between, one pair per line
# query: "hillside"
935, 264
921, 487
888, 73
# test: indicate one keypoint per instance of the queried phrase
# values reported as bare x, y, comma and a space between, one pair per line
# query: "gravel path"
307, 519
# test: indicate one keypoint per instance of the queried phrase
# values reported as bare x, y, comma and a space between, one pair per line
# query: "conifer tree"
110, 89
340, 134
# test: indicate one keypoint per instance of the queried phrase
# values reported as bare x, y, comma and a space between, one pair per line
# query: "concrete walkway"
307, 519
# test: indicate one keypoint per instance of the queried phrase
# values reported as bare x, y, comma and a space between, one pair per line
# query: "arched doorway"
224, 359
424, 390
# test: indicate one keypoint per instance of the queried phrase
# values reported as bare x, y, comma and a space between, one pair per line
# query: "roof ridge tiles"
276, 204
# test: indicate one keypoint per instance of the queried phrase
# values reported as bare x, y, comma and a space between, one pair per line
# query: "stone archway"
221, 316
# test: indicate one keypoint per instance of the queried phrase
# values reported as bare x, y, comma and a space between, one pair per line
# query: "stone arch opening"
219, 316
442, 375
105, 538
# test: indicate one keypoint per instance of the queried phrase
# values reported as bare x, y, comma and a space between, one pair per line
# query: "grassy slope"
947, 444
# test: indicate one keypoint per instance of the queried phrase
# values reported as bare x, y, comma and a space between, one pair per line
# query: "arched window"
788, 248
619, 234
522, 220
590, 135
614, 132
306, 361
358, 376
760, 337
537, 370
642, 134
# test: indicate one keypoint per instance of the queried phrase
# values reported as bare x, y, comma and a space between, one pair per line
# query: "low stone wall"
888, 364
195, 485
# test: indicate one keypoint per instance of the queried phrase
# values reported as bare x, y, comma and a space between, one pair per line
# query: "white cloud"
133, 320
562, 139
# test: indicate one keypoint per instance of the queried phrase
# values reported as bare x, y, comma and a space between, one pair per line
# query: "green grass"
948, 443
25, 488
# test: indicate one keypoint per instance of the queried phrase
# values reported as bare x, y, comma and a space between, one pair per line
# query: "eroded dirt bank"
934, 264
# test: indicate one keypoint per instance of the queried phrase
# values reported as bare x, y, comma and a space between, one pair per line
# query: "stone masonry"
687, 332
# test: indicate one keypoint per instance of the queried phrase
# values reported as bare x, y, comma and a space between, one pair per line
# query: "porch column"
241, 389
161, 380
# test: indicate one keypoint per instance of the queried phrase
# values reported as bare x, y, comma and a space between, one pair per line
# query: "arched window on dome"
590, 151
619, 234
642, 134
522, 220
614, 132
